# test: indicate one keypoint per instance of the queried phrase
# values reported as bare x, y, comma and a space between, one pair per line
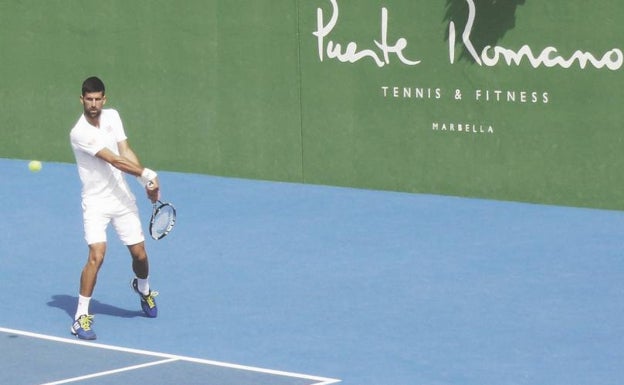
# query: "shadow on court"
67, 303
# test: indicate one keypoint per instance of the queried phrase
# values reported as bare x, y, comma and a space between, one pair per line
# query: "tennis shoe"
81, 328
148, 303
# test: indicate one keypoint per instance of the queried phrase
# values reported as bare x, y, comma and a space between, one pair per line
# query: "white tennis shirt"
101, 181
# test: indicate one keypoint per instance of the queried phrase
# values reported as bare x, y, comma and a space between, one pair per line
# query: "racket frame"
157, 207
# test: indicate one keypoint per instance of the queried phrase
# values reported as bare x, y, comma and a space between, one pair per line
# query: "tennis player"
103, 155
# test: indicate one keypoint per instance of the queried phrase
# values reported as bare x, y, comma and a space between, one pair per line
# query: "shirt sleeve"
86, 141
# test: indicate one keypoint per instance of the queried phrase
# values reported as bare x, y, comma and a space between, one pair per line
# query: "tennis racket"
163, 219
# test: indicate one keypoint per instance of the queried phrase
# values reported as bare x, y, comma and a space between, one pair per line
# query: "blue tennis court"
279, 283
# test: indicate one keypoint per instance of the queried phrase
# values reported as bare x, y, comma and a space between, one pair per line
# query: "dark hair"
93, 84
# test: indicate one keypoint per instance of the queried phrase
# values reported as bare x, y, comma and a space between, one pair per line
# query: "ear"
104, 100
81, 100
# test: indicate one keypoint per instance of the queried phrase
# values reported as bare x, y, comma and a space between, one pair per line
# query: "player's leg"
140, 284
88, 278
140, 262
128, 227
95, 224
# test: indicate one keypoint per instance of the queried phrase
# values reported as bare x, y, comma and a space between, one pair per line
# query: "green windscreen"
514, 100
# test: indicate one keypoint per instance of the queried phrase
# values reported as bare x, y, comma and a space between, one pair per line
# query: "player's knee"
96, 254
138, 252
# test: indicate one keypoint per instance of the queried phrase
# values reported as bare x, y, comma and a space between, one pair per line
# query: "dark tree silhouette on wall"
493, 19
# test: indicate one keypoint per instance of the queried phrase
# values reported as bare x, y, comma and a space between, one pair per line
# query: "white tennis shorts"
123, 216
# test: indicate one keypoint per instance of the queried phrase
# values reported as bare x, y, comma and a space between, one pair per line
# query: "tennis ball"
34, 166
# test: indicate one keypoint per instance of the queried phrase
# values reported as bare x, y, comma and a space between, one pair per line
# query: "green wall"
238, 88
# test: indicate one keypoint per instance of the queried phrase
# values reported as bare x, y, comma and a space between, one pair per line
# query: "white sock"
143, 285
83, 306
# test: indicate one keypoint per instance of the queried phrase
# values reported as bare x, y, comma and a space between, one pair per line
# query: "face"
92, 103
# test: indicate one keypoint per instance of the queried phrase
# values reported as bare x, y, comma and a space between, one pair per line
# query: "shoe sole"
71, 329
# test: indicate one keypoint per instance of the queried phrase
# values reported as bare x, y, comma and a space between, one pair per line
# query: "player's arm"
126, 151
120, 162
128, 162
153, 187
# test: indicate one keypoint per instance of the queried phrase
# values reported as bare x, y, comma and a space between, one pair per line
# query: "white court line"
109, 372
173, 357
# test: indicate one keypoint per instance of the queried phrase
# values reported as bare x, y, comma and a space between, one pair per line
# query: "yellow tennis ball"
34, 166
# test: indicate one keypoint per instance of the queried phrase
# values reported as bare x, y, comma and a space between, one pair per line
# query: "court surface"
279, 283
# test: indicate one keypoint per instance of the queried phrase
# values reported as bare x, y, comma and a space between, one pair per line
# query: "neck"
95, 122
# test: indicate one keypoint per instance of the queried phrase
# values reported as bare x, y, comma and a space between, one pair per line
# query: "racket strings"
163, 220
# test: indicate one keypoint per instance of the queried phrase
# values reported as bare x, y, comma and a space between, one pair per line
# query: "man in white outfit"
103, 155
